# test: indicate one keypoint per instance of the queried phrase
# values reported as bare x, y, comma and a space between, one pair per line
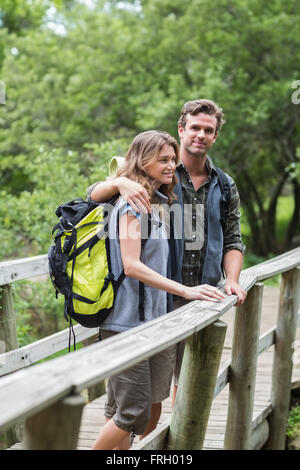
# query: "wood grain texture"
283, 365
23, 268
243, 371
56, 427
196, 387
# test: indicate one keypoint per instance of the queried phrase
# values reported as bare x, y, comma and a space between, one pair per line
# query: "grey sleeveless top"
154, 254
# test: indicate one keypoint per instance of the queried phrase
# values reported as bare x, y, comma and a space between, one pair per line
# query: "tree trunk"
248, 205
257, 245
295, 220
269, 227
262, 221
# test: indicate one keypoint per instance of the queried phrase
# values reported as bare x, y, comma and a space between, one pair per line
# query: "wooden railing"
47, 396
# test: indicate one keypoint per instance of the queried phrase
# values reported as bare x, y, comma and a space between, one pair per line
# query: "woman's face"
162, 167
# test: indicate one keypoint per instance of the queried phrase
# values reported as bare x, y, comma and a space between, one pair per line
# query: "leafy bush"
55, 176
38, 312
293, 427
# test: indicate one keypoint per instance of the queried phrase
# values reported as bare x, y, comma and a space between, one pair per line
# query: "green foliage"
251, 259
18, 15
28, 217
293, 427
285, 208
38, 312
120, 68
56, 176
294, 168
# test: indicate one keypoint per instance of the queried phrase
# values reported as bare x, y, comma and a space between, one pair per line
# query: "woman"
135, 395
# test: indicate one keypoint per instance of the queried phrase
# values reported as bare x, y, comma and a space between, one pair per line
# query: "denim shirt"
201, 248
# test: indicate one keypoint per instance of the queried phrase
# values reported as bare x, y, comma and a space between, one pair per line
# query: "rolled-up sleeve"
90, 189
233, 237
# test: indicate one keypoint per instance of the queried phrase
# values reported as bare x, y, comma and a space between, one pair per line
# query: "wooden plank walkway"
93, 416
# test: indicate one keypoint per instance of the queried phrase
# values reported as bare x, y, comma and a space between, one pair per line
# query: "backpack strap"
226, 194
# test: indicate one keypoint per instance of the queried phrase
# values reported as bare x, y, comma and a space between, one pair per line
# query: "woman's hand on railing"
203, 292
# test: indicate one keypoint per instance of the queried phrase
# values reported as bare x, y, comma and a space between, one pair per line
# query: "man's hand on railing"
233, 288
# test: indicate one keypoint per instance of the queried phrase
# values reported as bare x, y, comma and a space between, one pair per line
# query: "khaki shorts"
131, 392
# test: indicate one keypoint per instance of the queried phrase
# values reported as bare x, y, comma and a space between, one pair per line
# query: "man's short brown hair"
201, 106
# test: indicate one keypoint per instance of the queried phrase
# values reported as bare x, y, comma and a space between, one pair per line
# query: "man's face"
198, 135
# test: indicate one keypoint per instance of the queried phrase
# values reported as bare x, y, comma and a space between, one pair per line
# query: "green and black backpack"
79, 262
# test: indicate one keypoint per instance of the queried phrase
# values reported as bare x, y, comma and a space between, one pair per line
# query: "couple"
156, 172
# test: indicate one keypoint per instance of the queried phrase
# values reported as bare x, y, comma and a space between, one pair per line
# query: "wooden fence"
47, 397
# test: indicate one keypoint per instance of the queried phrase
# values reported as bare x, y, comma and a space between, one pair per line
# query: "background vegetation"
83, 77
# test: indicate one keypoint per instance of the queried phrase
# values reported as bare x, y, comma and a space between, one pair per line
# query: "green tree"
123, 67
245, 56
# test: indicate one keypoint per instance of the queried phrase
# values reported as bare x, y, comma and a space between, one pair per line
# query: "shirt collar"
160, 197
208, 162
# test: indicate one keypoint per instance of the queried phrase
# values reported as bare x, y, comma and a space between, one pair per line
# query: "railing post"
8, 329
196, 386
8, 342
95, 391
282, 362
243, 371
56, 427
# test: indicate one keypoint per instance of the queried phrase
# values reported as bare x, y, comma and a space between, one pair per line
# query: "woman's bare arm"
134, 193
130, 243
105, 190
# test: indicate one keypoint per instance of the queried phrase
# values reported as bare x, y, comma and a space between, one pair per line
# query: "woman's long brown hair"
143, 149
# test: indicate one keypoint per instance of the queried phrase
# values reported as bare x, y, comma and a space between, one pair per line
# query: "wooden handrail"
23, 268
27, 268
26, 392
41, 349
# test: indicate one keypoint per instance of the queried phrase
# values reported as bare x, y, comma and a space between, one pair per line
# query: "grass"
285, 209
61, 353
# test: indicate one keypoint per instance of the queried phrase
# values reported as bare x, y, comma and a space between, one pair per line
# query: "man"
206, 245
198, 127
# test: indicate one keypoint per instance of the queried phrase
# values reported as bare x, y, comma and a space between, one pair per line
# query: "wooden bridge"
234, 389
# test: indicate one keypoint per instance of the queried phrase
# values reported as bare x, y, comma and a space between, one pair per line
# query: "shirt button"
193, 255
195, 199
191, 273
